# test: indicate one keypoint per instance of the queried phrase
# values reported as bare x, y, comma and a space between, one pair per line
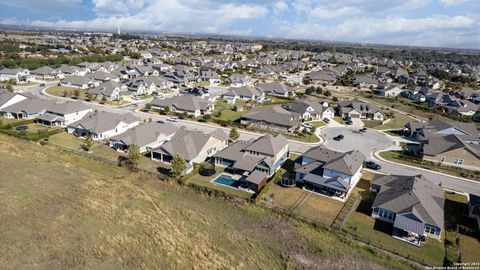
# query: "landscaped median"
400, 157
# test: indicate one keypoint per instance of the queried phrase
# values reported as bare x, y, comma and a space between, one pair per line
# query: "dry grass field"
63, 211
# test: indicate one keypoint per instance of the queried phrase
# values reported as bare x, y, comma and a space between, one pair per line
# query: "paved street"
367, 143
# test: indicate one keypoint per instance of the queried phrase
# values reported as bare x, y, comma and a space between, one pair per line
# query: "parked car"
372, 165
42, 85
363, 129
348, 121
338, 137
326, 120
173, 119
135, 98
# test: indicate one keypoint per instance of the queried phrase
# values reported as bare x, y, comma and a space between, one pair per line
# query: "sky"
438, 23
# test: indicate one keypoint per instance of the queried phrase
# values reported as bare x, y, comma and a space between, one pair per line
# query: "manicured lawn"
361, 224
317, 124
397, 156
398, 121
339, 120
455, 207
206, 181
224, 111
309, 138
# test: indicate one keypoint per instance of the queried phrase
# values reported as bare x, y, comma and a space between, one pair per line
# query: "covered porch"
408, 230
332, 187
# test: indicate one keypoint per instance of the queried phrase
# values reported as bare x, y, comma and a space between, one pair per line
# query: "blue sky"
445, 23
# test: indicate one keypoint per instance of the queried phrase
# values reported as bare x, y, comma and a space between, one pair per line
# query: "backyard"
362, 225
225, 112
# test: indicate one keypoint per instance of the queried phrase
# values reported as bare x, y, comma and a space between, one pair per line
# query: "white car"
173, 119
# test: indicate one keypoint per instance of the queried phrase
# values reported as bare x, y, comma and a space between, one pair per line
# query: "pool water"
227, 181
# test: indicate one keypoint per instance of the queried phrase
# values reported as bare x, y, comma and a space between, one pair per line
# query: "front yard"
398, 121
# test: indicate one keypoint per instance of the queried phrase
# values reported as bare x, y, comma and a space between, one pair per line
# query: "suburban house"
276, 89
145, 136
209, 76
63, 114
102, 125
237, 80
322, 76
110, 90
412, 204
201, 92
194, 146
141, 86
329, 172
8, 98
451, 143
272, 118
18, 75
359, 109
81, 82
46, 73
253, 162
29, 108
183, 104
311, 110
390, 90
244, 93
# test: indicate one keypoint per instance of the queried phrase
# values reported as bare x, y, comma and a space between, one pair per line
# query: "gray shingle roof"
275, 115
411, 194
99, 122
145, 134
184, 103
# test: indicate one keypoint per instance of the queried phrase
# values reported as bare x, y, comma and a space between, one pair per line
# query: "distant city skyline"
436, 23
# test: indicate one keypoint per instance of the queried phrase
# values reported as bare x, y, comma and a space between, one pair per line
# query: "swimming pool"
226, 180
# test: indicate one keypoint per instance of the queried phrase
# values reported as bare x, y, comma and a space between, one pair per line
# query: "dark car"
338, 137
372, 165
42, 85
326, 120
363, 129
348, 122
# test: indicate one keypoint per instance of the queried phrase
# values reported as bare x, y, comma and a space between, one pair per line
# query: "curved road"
368, 142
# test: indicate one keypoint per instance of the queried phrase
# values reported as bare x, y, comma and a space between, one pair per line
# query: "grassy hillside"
62, 211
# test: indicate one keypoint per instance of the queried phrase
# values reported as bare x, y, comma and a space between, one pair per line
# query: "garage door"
355, 115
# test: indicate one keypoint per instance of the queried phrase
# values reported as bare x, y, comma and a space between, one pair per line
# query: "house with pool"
328, 172
248, 164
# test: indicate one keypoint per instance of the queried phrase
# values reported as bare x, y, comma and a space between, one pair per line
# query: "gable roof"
145, 134
411, 194
275, 115
184, 103
102, 121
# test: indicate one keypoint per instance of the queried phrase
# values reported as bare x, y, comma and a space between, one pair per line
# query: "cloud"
45, 6
448, 3
280, 6
116, 7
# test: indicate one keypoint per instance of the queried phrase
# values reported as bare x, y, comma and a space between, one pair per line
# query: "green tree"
178, 166
76, 93
134, 155
319, 90
234, 135
88, 144
9, 87
328, 93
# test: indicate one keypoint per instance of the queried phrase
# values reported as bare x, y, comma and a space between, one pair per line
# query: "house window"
430, 230
458, 161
